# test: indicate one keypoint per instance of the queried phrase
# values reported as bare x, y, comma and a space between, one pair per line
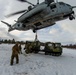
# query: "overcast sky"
62, 31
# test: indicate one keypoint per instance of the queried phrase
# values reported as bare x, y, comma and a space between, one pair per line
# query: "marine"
27, 48
15, 52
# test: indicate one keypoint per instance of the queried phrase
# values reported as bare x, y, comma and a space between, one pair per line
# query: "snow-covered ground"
37, 64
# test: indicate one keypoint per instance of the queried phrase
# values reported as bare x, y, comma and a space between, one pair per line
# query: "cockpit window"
53, 6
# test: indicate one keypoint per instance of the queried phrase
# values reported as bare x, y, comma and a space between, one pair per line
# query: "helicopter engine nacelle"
18, 25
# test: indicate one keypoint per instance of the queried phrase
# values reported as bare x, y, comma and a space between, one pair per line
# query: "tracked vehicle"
48, 48
32, 46
53, 49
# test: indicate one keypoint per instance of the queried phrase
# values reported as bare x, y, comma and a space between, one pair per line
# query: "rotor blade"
12, 14
27, 2
73, 6
22, 0
6, 23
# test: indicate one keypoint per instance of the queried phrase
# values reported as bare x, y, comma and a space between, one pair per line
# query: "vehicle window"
53, 6
49, 44
57, 45
42, 47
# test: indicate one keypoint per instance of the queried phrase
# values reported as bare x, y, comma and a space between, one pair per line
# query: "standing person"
20, 51
15, 51
25, 47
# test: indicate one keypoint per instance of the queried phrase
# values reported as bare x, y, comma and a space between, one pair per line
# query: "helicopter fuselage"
44, 15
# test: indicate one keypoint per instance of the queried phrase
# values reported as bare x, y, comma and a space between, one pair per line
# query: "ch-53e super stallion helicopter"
41, 15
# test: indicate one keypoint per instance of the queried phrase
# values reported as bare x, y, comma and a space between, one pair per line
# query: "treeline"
13, 41
73, 46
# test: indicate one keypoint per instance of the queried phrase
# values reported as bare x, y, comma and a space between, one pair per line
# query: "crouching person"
15, 51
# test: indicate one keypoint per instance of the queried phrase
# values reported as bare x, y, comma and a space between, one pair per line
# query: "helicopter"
41, 15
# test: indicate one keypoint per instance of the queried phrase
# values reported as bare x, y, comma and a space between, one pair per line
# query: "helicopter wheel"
71, 17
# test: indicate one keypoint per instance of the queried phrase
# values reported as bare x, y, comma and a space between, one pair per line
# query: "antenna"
37, 1
27, 2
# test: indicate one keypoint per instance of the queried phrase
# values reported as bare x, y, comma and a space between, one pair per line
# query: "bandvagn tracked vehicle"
48, 48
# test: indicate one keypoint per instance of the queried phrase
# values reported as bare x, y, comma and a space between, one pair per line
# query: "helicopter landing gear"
71, 17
